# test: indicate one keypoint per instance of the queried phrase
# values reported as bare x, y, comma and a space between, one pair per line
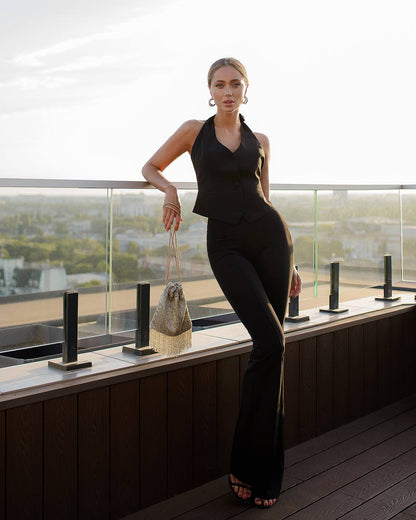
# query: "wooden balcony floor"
363, 470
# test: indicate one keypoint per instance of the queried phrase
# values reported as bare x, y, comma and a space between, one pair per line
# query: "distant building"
7, 268
18, 277
138, 205
35, 279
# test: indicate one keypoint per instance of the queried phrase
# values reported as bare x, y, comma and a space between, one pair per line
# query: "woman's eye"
237, 84
220, 85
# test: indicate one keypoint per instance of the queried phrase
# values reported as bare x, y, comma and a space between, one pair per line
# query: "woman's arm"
180, 142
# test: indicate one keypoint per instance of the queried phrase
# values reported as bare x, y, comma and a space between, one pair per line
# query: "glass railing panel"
51, 241
297, 208
140, 245
409, 234
357, 228
102, 242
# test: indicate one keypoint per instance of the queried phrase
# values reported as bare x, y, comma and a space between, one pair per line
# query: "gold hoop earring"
211, 103
245, 100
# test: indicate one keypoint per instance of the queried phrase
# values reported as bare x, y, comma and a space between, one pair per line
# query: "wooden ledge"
33, 382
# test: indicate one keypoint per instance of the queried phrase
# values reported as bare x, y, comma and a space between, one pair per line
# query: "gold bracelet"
170, 205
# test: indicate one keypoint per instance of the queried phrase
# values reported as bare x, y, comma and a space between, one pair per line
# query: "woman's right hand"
171, 208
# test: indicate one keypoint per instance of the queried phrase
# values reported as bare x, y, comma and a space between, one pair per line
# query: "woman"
250, 252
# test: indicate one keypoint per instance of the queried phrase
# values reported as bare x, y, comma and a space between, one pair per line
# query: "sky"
89, 89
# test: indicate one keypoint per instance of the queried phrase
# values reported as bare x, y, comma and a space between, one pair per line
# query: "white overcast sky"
90, 88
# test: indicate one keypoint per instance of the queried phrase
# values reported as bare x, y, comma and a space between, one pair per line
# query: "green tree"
124, 267
133, 248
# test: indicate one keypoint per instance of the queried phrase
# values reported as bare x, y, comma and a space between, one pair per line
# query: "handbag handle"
173, 251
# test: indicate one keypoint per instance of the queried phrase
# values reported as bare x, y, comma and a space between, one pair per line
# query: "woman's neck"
227, 120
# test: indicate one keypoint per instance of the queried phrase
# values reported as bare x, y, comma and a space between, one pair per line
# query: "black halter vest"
228, 182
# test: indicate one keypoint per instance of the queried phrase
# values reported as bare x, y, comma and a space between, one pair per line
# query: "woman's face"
228, 88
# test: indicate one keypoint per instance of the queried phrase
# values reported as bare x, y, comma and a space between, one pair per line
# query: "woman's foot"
240, 489
264, 503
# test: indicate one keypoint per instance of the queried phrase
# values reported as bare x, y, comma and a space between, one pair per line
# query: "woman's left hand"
295, 285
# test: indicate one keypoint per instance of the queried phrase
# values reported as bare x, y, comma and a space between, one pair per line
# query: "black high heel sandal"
248, 500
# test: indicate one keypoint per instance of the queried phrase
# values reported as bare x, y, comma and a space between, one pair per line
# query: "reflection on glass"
409, 234
356, 229
50, 241
140, 245
297, 208
103, 242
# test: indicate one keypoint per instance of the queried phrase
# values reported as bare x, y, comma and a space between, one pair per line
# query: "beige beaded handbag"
171, 326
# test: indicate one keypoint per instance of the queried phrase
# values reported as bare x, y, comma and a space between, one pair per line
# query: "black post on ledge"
294, 316
70, 345
142, 322
388, 282
334, 291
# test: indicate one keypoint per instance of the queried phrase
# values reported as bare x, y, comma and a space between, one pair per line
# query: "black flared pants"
252, 262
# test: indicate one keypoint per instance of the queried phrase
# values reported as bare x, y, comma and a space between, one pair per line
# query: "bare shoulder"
189, 131
192, 126
264, 140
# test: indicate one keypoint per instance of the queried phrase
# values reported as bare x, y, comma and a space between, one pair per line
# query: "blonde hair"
224, 62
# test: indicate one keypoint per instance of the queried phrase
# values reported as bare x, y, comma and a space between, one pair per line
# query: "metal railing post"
142, 347
388, 282
70, 344
294, 316
334, 291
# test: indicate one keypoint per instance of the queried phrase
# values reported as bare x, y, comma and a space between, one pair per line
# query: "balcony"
152, 433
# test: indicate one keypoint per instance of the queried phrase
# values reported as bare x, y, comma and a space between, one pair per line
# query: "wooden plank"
340, 413
343, 433
124, 449
307, 389
356, 380
324, 382
221, 508
383, 477
153, 439
204, 423
410, 351
193, 504
2, 465
24, 462
179, 431
412, 343
410, 511
151, 367
94, 454
328, 508
312, 492
60, 451
228, 398
370, 366
397, 356
413, 350
371, 471
291, 394
384, 362
385, 506
339, 453
404, 516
